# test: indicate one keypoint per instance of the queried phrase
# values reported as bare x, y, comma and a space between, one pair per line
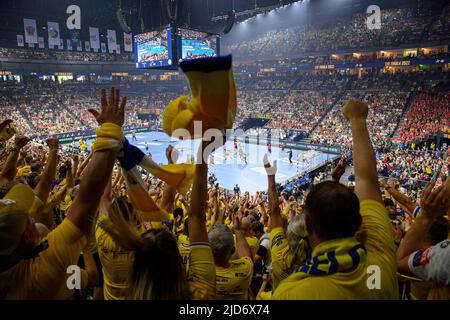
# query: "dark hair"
35, 167
33, 179
62, 171
29, 159
439, 230
334, 211
186, 227
177, 212
257, 226
388, 202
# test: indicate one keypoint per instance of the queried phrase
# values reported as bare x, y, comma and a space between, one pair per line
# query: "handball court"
231, 165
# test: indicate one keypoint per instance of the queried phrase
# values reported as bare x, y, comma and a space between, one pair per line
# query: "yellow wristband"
109, 137
110, 130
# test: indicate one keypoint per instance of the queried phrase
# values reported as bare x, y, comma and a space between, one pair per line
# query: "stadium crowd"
386, 108
428, 114
300, 110
42, 110
79, 208
400, 26
146, 231
47, 54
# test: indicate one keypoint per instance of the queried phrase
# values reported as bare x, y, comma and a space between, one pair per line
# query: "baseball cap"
14, 209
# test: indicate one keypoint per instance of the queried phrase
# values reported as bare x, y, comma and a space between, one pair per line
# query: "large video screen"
196, 44
153, 49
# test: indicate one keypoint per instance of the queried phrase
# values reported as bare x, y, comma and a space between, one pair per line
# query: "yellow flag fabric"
213, 97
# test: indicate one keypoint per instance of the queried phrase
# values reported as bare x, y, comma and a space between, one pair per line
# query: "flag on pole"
112, 41
54, 36
31, 36
128, 42
41, 42
20, 41
94, 37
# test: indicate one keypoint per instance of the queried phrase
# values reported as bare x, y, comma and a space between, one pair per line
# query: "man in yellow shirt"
341, 267
233, 277
25, 170
30, 269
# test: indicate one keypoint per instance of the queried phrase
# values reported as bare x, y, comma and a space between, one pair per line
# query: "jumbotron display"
153, 49
197, 44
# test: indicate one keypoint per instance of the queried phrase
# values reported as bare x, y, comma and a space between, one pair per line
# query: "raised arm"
242, 246
83, 166
197, 218
367, 187
106, 199
339, 170
168, 197
264, 216
274, 205
434, 203
42, 190
9, 169
404, 201
76, 162
98, 171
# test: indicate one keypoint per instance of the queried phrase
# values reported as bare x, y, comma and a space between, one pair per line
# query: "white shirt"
432, 264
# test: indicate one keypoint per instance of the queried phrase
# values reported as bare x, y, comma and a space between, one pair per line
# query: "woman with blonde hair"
157, 272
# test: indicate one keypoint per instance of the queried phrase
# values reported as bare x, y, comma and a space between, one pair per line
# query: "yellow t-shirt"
180, 204
43, 277
117, 264
281, 256
35, 208
183, 247
42, 213
233, 282
354, 285
23, 171
252, 242
201, 276
67, 294
65, 203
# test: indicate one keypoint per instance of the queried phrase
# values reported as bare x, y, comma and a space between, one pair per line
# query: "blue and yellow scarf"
330, 257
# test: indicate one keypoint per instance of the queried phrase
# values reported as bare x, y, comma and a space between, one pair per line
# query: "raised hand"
339, 170
271, 170
21, 141
434, 202
237, 222
52, 143
111, 110
356, 110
